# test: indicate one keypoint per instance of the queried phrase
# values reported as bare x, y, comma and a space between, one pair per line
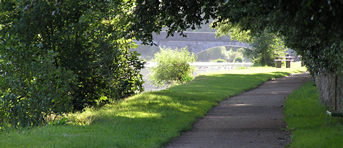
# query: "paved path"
253, 119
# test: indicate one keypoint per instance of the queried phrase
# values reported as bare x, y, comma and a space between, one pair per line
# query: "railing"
207, 64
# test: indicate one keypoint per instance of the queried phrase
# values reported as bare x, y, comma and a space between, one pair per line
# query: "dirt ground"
253, 119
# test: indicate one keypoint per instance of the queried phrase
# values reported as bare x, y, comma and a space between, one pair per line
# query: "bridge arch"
226, 52
196, 41
234, 47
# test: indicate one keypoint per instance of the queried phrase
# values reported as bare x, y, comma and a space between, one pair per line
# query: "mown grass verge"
149, 119
306, 118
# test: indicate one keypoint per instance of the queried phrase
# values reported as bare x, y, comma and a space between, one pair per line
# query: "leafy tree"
59, 55
172, 66
266, 45
312, 28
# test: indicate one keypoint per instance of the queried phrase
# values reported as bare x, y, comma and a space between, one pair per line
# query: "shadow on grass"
150, 119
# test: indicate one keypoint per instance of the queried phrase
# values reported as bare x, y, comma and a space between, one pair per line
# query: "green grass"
306, 117
149, 119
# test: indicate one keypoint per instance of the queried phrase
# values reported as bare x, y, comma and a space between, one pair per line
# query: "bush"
33, 90
238, 59
219, 61
172, 66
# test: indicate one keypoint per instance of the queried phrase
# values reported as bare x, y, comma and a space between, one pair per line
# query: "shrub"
33, 90
238, 59
219, 61
172, 66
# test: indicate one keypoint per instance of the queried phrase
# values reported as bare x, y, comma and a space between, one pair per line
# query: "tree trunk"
330, 87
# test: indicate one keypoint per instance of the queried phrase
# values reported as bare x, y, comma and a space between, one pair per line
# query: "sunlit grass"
306, 118
150, 119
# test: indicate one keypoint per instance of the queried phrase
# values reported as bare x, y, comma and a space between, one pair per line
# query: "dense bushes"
33, 90
172, 66
58, 56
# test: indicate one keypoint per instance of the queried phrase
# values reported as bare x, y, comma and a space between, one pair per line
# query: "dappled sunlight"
138, 114
148, 105
182, 107
151, 118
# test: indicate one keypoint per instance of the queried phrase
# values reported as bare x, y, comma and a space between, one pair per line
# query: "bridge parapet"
192, 36
195, 41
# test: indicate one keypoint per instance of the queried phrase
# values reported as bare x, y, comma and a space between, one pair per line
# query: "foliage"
213, 53
236, 33
266, 46
172, 66
228, 53
238, 53
67, 53
305, 117
219, 61
238, 59
312, 28
32, 89
176, 16
150, 119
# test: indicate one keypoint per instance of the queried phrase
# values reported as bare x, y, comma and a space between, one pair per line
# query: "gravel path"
253, 119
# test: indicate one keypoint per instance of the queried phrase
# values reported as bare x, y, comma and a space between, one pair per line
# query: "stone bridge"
196, 41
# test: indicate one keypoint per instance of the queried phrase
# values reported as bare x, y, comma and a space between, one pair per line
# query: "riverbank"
202, 68
150, 119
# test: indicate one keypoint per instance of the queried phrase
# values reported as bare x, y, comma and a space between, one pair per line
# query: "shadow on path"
251, 119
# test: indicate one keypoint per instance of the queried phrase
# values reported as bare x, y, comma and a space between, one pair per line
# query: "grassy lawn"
149, 119
306, 117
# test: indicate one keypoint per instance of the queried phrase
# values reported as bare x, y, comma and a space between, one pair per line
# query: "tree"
312, 28
63, 55
266, 45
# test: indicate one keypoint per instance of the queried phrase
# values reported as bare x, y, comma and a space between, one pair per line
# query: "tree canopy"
311, 27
